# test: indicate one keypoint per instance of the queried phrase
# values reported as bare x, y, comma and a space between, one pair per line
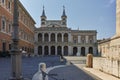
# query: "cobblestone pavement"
29, 65
71, 72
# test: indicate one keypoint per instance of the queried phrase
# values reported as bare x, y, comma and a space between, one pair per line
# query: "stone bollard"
89, 62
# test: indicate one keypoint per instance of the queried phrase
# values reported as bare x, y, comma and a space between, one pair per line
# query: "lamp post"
15, 52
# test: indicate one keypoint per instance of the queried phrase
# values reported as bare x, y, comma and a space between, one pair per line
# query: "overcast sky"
97, 15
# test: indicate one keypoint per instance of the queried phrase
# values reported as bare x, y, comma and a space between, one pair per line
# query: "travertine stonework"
55, 38
110, 50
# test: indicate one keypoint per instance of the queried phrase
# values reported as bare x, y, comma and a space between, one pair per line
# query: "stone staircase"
75, 60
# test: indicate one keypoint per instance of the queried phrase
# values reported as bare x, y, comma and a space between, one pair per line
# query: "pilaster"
49, 37
86, 39
43, 50
62, 37
55, 50
49, 50
42, 37
86, 50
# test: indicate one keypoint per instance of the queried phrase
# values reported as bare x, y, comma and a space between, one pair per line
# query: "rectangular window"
3, 25
9, 5
3, 1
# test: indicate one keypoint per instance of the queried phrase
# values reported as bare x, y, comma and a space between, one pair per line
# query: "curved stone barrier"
42, 66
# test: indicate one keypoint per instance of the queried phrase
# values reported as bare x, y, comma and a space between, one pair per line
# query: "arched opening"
83, 51
66, 50
46, 36
52, 50
59, 50
59, 37
90, 50
75, 50
46, 50
65, 37
40, 50
39, 37
52, 37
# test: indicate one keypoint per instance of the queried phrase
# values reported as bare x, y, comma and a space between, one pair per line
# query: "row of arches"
58, 50
52, 37
83, 51
52, 50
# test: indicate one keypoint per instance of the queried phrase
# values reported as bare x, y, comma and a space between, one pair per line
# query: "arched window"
40, 37
52, 50
83, 51
46, 36
40, 50
90, 50
53, 37
59, 50
59, 37
66, 50
65, 37
75, 50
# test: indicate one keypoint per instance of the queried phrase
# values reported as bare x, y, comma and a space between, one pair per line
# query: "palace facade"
53, 37
26, 27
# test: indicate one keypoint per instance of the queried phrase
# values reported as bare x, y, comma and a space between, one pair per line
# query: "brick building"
26, 27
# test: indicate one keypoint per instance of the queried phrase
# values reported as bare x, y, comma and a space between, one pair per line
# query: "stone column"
56, 37
86, 39
62, 50
42, 37
86, 50
16, 72
62, 37
49, 37
79, 38
69, 37
49, 50
43, 50
55, 50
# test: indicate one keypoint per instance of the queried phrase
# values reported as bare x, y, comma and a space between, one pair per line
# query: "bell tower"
43, 18
64, 17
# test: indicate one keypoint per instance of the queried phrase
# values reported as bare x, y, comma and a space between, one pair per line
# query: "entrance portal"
40, 50
75, 51
53, 50
83, 51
